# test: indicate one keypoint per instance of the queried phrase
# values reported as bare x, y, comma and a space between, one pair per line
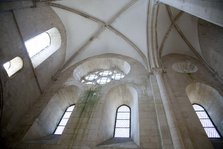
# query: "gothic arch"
210, 99
117, 96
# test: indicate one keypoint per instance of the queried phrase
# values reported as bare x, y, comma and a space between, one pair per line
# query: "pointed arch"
206, 121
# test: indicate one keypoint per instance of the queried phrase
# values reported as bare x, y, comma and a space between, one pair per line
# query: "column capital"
157, 70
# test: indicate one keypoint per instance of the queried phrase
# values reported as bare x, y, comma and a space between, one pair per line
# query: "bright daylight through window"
43, 45
206, 122
122, 123
13, 66
101, 77
37, 43
64, 120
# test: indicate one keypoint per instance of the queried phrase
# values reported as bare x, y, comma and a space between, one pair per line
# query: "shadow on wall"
210, 99
211, 39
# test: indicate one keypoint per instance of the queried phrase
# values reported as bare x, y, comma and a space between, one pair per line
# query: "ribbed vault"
127, 28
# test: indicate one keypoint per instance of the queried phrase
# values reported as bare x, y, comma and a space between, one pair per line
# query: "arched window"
37, 43
122, 122
64, 120
43, 45
12, 66
206, 122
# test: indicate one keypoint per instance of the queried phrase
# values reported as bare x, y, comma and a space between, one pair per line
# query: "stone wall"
211, 39
91, 124
22, 90
192, 132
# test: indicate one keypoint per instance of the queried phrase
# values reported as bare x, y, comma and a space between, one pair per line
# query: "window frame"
116, 121
214, 126
62, 119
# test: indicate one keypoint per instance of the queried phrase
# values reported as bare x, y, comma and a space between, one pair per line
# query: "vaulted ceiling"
122, 27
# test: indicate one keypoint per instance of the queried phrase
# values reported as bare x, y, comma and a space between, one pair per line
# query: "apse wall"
189, 71
22, 90
120, 95
210, 99
92, 122
32, 22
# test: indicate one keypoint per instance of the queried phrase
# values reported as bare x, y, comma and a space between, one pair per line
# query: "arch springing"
122, 122
64, 120
206, 121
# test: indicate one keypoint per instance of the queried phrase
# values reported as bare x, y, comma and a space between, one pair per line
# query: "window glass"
105, 73
122, 122
103, 80
117, 76
12, 66
206, 122
43, 45
122, 132
91, 77
37, 43
101, 77
64, 120
59, 130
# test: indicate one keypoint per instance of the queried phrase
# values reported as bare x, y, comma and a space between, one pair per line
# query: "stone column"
174, 131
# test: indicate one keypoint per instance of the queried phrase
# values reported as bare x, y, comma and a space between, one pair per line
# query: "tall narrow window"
64, 120
206, 122
122, 123
12, 66
43, 45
